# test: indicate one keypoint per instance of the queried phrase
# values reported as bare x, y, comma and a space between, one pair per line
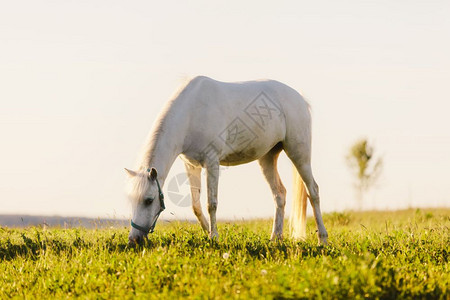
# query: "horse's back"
242, 95
211, 93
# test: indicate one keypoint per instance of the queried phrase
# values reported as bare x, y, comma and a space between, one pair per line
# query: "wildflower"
226, 255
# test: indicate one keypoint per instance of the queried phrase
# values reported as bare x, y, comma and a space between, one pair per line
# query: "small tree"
364, 166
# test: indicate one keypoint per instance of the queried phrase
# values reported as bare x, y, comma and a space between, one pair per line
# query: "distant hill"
57, 221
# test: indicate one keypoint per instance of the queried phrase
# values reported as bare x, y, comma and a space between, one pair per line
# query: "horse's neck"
163, 147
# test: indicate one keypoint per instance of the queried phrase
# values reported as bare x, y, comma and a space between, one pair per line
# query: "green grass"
385, 255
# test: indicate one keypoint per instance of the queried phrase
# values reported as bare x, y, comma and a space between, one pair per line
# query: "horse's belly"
246, 145
233, 148
240, 157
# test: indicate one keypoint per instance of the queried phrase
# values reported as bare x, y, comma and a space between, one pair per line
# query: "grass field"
386, 255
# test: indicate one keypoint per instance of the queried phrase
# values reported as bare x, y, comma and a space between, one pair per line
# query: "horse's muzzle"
136, 238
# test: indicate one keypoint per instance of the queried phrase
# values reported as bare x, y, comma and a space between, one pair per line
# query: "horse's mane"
158, 126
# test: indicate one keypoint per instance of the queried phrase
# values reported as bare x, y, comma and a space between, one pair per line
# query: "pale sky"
81, 83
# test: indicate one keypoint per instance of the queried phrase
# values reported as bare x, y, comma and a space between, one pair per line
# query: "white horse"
210, 123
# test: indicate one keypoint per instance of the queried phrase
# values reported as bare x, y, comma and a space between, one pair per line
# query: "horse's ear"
153, 174
130, 173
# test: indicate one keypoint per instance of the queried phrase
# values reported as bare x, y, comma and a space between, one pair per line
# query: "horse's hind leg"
194, 173
300, 155
268, 165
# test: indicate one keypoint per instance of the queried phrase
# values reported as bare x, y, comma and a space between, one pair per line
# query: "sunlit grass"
387, 255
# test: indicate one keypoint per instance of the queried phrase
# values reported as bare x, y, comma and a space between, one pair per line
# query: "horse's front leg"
195, 182
212, 183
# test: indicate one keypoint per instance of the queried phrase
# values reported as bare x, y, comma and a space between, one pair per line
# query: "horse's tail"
298, 214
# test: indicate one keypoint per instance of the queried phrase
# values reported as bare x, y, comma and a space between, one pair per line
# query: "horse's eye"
148, 201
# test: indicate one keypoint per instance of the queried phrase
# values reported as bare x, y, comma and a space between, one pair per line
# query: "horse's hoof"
323, 238
276, 237
214, 236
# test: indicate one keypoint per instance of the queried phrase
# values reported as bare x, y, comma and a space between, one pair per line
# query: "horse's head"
147, 203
